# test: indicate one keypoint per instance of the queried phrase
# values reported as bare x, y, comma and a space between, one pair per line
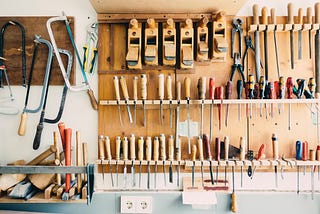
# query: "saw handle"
22, 126
93, 100
37, 137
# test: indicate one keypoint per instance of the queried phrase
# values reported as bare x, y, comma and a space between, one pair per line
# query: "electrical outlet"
127, 204
144, 204
136, 204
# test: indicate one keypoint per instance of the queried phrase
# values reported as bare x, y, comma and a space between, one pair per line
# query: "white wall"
78, 113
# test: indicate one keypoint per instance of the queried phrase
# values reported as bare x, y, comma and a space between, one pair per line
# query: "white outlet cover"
135, 204
127, 204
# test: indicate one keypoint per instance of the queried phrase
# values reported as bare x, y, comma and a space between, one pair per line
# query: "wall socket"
136, 204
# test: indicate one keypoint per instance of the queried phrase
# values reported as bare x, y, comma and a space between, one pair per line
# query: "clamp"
236, 23
237, 66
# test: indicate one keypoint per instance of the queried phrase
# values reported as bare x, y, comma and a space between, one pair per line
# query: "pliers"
237, 66
249, 46
90, 49
236, 23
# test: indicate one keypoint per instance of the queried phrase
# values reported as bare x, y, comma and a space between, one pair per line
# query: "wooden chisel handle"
135, 88
211, 88
132, 140
171, 148
169, 87
273, 16
85, 157
187, 83
93, 100
162, 144
125, 148
140, 148
206, 143
116, 87
255, 12
22, 125
148, 148
194, 153
226, 147
178, 90
300, 16
234, 207
143, 86
290, 14
309, 15
264, 15
305, 151
178, 150
161, 86
124, 88
200, 148
61, 127
118, 145
218, 149
317, 13
275, 147
242, 148
42, 156
156, 149
101, 147
261, 151
202, 88
108, 149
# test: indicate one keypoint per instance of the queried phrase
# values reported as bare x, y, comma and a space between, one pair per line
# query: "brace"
23, 44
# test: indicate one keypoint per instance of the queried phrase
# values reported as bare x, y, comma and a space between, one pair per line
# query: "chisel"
300, 21
143, 90
124, 88
206, 143
132, 147
275, 149
242, 156
169, 96
155, 158
109, 157
273, 21
161, 95
178, 158
202, 95
290, 21
140, 156
125, 158
148, 158
117, 157
309, 21
116, 88
200, 148
298, 157
289, 86
264, 14
228, 96
135, 98
163, 155
218, 149
226, 157
255, 9
101, 154
178, 96
171, 156
193, 158
211, 97
187, 82
219, 94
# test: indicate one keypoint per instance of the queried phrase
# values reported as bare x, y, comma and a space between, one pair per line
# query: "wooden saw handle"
22, 126
93, 100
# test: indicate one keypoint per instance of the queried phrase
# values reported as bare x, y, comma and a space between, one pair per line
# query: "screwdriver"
226, 157
178, 158
169, 96
211, 97
242, 156
155, 158
143, 90
116, 88
262, 84
281, 91
140, 156
200, 148
261, 152
272, 96
202, 95
163, 155
117, 157
125, 158
275, 149
206, 143
171, 156
239, 95
228, 96
305, 154
124, 88
312, 158
193, 155
101, 153
161, 95
148, 158
298, 157
132, 140
250, 90
218, 149
289, 86
219, 95
109, 157
187, 82
135, 98
178, 95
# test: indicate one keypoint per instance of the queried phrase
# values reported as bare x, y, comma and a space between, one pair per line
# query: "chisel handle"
202, 88
118, 146
273, 16
61, 127
275, 146
178, 90
255, 12
156, 149
101, 147
124, 87
169, 87
289, 86
108, 148
206, 143
317, 13
187, 83
309, 15
211, 88
318, 153
116, 87
300, 16
161, 86
229, 90
171, 148
226, 147
234, 206
242, 148
140, 148
305, 151
312, 154
68, 133
290, 13
163, 155
22, 125
132, 140
261, 151
135, 88
200, 148
148, 148
143, 86
194, 153
218, 149
264, 14
125, 148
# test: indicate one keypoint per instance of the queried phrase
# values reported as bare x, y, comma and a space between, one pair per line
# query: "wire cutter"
236, 23
237, 66
90, 49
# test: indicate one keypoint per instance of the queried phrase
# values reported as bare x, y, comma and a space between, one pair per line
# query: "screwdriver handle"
273, 16
156, 149
251, 86
163, 155
143, 86
312, 155
255, 12
275, 146
206, 143
218, 149
242, 148
107, 146
272, 91
101, 147
281, 87
229, 90
309, 15
211, 88
290, 13
317, 13
148, 148
118, 146
178, 90
193, 152
125, 148
169, 87
239, 89
200, 148
261, 151
124, 87
140, 148
187, 83
318, 153
116, 87
312, 85
135, 88
300, 16
132, 140
161, 86
289, 86
264, 14
262, 84
234, 207
171, 148
226, 147
202, 88
298, 150
305, 151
